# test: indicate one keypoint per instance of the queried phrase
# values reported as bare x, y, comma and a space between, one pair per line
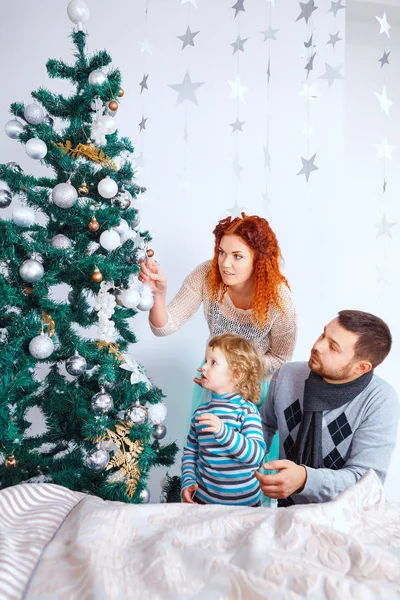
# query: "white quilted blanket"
58, 544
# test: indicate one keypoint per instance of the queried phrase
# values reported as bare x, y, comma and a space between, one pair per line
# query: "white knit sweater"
276, 340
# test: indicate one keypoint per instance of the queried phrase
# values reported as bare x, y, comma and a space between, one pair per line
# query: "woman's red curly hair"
259, 237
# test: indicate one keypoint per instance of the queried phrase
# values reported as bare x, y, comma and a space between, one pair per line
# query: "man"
336, 419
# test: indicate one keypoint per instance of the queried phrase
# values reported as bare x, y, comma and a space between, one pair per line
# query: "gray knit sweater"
358, 436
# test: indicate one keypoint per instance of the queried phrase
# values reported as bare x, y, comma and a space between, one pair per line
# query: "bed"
59, 544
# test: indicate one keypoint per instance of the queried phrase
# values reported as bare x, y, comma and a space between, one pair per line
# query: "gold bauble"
97, 277
120, 93
150, 252
11, 462
113, 105
94, 224
83, 189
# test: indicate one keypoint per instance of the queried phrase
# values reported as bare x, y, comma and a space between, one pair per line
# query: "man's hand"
291, 478
188, 493
212, 422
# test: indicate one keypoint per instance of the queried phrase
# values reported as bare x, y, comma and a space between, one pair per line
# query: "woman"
242, 291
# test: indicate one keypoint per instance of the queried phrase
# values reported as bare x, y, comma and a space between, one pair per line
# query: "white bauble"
146, 303
122, 228
110, 240
97, 460
34, 114
78, 11
107, 187
13, 129
129, 298
23, 216
41, 346
97, 77
64, 195
36, 148
109, 124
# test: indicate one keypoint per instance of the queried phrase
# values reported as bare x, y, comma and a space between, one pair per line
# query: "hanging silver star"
146, 47
192, 2
384, 101
187, 38
310, 65
384, 60
334, 39
239, 44
238, 7
143, 83
385, 27
309, 43
308, 166
237, 89
237, 167
269, 69
384, 186
307, 9
269, 34
140, 162
185, 134
236, 211
237, 125
186, 90
331, 74
142, 124
384, 227
138, 241
335, 7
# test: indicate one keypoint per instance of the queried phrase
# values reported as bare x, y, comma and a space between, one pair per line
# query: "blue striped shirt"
223, 464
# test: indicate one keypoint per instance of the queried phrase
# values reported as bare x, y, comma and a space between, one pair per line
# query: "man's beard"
333, 374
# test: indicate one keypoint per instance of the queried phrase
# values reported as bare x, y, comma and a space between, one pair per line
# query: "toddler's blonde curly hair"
244, 362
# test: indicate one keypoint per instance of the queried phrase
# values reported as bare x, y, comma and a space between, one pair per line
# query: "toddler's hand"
188, 493
212, 422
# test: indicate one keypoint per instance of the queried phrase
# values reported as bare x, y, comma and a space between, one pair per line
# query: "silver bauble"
159, 432
136, 413
109, 124
145, 496
31, 270
146, 303
97, 460
64, 195
110, 112
41, 346
23, 216
13, 129
61, 242
102, 402
76, 365
4, 185
5, 198
107, 187
138, 256
123, 200
34, 114
78, 12
14, 166
97, 77
36, 148
107, 385
136, 221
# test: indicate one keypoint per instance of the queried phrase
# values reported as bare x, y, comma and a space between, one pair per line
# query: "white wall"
325, 228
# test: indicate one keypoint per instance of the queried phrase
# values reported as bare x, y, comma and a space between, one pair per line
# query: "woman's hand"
188, 493
198, 380
151, 274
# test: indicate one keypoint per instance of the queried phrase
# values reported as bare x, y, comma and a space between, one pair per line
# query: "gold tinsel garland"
88, 151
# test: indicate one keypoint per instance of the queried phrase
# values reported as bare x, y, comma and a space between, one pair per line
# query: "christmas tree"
66, 351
